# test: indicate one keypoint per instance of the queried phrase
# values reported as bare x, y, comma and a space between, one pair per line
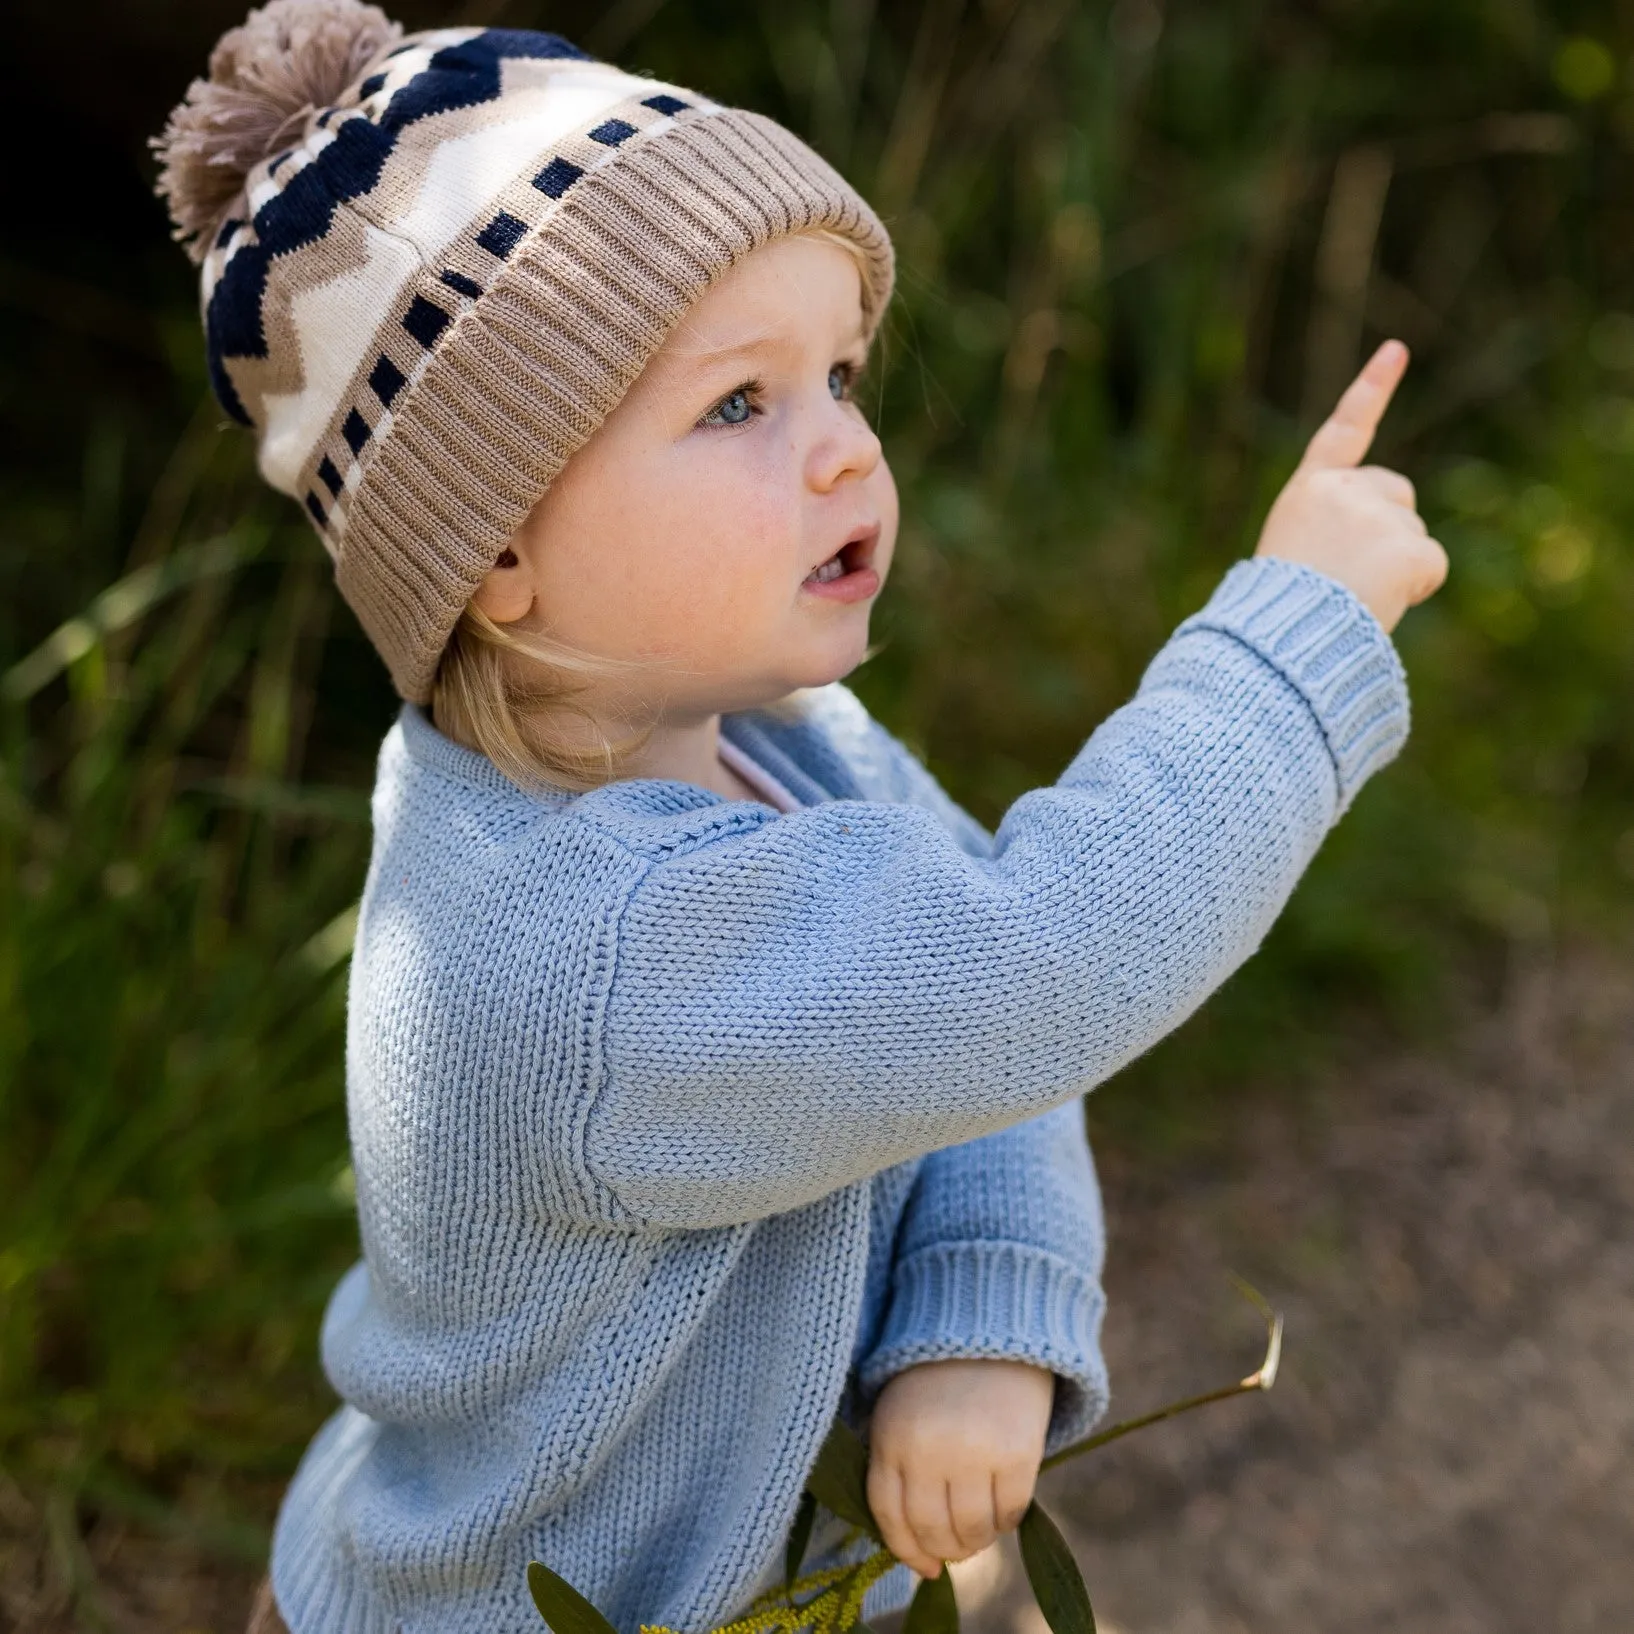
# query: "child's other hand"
1358, 523
954, 1453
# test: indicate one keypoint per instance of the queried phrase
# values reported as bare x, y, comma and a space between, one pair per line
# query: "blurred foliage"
1142, 248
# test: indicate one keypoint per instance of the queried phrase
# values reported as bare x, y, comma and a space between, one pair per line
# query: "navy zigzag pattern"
458, 76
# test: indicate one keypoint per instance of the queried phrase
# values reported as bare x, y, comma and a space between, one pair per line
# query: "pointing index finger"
1345, 437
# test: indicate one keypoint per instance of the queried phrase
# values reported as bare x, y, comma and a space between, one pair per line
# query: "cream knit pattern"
449, 274
680, 1124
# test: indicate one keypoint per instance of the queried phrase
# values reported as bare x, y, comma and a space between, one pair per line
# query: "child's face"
692, 531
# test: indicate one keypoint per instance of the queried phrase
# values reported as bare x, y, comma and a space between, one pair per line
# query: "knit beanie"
433, 265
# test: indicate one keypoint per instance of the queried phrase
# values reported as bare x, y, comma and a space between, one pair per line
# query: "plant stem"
1129, 1426
1262, 1379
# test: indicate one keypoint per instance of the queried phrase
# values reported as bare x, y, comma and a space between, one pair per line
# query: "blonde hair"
511, 697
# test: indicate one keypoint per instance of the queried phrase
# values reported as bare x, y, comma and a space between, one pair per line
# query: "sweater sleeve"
999, 1255
999, 1249
800, 1003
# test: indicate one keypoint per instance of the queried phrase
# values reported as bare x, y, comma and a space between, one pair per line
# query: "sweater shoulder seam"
597, 1187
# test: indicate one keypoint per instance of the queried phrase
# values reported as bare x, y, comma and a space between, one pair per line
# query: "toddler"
710, 1073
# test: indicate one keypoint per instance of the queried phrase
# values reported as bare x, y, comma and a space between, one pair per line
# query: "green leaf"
562, 1606
933, 1609
839, 1478
1057, 1583
799, 1537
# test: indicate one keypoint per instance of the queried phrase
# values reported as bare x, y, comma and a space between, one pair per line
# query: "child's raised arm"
796, 1006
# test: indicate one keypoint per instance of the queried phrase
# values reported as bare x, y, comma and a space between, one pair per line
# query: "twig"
1262, 1378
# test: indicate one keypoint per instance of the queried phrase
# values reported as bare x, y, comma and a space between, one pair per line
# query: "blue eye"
733, 409
839, 382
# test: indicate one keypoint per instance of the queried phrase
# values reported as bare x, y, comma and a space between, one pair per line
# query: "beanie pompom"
266, 77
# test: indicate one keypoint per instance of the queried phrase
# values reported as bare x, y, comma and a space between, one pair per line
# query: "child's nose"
847, 447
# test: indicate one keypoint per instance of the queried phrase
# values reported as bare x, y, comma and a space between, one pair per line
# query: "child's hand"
954, 1453
1358, 523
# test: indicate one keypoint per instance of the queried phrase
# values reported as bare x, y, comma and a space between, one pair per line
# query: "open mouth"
850, 570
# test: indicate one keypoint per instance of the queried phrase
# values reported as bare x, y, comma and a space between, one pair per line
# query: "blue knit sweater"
675, 1119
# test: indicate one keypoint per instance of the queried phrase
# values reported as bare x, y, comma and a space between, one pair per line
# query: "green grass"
1140, 249
171, 1168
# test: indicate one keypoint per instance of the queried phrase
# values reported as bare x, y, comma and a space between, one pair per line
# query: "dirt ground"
1450, 1447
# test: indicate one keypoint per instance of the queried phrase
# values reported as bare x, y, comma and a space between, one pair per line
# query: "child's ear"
506, 591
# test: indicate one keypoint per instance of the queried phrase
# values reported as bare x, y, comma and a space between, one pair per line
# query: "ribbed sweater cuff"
998, 1300
1330, 649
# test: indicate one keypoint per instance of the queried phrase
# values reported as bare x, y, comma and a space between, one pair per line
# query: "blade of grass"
121, 605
